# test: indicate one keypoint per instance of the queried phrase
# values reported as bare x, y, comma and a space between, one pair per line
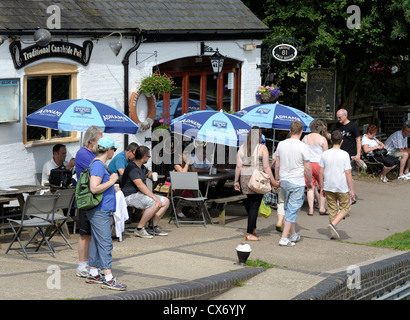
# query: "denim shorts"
293, 196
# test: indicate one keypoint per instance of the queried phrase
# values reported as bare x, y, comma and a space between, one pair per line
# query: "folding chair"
187, 181
65, 202
45, 204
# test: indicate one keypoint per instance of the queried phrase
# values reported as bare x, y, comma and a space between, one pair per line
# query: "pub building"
102, 50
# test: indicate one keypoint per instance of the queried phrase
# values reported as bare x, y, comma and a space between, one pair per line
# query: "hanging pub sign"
55, 49
284, 52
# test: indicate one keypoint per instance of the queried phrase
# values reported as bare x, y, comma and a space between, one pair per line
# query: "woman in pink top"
317, 144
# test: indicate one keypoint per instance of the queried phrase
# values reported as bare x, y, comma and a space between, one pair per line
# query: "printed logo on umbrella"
82, 110
263, 111
219, 124
286, 117
49, 112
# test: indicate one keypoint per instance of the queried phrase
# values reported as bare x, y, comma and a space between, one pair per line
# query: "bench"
224, 202
375, 167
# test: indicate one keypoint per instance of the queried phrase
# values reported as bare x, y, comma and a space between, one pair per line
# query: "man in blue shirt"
121, 160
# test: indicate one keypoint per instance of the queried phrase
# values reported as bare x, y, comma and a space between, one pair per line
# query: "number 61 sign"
284, 52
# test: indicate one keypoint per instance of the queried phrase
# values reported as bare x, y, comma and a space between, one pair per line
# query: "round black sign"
284, 52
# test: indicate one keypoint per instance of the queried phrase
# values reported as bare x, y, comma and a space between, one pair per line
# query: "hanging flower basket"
268, 94
157, 84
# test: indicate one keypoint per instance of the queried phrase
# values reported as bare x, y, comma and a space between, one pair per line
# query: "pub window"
44, 84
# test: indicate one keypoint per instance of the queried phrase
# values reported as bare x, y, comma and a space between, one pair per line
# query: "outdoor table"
222, 175
18, 191
15, 193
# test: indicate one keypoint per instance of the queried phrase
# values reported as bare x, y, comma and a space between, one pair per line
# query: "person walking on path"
83, 158
101, 246
246, 163
336, 182
317, 144
292, 167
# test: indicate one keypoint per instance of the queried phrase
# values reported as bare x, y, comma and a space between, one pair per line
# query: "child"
336, 181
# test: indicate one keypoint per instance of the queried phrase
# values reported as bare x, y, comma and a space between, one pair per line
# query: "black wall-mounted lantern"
217, 59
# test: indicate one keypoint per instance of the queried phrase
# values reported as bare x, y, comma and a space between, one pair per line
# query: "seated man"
397, 146
121, 160
58, 160
139, 196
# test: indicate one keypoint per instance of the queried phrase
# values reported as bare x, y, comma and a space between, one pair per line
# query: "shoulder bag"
259, 182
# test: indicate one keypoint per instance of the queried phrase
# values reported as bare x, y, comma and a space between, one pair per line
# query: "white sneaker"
403, 177
143, 234
285, 242
82, 272
294, 237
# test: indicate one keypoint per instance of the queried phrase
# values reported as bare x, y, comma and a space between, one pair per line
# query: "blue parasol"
79, 115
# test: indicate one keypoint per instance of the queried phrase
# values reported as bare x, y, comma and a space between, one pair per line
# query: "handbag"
259, 181
271, 199
264, 209
380, 153
60, 177
85, 199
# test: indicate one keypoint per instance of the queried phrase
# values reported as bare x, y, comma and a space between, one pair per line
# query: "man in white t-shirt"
292, 166
336, 181
397, 146
58, 160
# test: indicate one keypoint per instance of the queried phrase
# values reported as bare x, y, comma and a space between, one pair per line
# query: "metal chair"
65, 202
187, 181
45, 204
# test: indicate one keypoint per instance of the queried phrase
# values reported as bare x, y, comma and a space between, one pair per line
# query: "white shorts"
141, 201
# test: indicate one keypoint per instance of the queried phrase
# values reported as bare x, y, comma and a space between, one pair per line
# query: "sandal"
310, 214
251, 237
323, 213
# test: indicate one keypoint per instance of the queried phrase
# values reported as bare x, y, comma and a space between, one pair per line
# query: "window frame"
49, 69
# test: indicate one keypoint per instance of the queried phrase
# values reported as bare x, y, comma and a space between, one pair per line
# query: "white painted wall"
102, 80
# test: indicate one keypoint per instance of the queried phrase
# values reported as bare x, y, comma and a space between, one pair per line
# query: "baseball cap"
106, 143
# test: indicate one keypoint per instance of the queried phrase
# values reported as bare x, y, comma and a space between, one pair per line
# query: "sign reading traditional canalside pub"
284, 52
58, 49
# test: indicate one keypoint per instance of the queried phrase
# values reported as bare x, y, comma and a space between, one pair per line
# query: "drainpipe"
125, 63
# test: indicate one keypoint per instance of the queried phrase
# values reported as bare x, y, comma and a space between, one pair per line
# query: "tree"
350, 39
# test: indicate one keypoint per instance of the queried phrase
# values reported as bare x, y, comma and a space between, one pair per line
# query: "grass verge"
398, 241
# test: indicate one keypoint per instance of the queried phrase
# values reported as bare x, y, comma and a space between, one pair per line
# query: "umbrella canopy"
175, 108
274, 115
212, 126
79, 115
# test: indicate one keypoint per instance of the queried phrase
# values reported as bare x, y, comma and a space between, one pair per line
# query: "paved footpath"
193, 255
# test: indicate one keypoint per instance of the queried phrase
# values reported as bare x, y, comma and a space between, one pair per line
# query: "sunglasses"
115, 149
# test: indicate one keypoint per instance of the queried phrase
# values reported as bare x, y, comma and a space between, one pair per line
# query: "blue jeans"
101, 242
293, 196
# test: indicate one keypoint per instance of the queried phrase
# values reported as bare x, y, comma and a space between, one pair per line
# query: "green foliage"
328, 42
157, 84
398, 241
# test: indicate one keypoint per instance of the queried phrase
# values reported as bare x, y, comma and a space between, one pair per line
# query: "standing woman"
102, 181
245, 165
317, 144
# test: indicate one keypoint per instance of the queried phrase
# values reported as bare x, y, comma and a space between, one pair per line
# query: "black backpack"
60, 177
